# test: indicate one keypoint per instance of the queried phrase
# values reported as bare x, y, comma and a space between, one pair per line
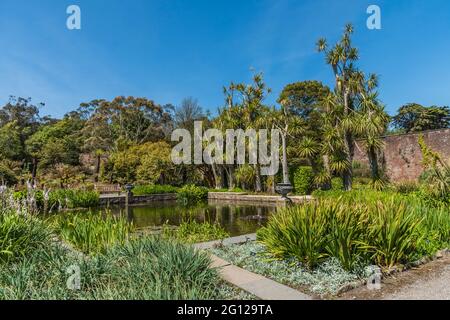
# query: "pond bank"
242, 196
120, 199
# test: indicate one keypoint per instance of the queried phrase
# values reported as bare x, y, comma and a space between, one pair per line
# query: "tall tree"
22, 116
245, 109
372, 125
187, 113
414, 117
56, 143
345, 105
304, 100
97, 132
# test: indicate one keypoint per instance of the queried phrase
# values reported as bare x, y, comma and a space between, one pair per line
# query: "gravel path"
437, 287
430, 281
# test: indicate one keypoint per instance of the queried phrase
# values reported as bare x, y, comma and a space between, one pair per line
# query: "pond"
236, 218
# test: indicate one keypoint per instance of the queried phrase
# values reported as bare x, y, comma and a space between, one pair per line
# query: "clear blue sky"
169, 49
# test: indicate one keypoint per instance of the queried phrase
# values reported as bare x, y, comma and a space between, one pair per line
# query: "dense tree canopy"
415, 117
127, 139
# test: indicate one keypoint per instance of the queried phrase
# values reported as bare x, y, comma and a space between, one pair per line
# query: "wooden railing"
108, 188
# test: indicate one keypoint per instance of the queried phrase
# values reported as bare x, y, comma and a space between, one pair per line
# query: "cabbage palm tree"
341, 58
372, 124
352, 111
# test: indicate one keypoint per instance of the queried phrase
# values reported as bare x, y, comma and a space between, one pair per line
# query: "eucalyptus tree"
187, 113
57, 143
19, 119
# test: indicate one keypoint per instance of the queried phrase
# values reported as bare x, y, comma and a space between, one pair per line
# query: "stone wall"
242, 197
402, 156
106, 200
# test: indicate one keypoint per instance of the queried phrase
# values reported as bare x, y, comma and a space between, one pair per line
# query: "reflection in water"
237, 219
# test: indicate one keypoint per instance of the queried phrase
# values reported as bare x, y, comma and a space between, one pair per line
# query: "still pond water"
235, 218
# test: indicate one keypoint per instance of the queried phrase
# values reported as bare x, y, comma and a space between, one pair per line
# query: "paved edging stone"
227, 241
256, 284
253, 283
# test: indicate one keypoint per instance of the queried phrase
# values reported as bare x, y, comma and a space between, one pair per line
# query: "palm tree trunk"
258, 182
373, 162
218, 181
230, 176
284, 162
326, 166
349, 148
348, 172
222, 176
272, 186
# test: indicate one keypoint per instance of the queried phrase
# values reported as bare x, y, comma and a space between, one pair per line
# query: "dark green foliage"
360, 226
145, 269
191, 231
63, 198
336, 183
93, 233
153, 189
20, 236
7, 176
296, 232
191, 194
414, 117
303, 180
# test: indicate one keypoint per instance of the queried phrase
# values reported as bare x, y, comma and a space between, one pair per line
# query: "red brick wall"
402, 156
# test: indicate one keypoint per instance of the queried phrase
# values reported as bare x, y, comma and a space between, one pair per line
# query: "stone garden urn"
128, 188
284, 189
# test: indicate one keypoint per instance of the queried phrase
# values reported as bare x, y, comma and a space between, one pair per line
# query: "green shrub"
361, 170
144, 269
297, 232
392, 233
7, 176
303, 180
351, 229
435, 227
191, 231
361, 181
93, 233
336, 183
20, 236
346, 235
406, 187
72, 199
141, 190
63, 198
192, 194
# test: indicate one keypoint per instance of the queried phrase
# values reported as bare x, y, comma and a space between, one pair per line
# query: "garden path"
433, 287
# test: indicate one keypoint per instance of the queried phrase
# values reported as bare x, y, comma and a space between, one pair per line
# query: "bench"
108, 188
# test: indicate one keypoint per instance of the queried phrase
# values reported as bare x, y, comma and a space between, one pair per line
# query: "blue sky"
169, 49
